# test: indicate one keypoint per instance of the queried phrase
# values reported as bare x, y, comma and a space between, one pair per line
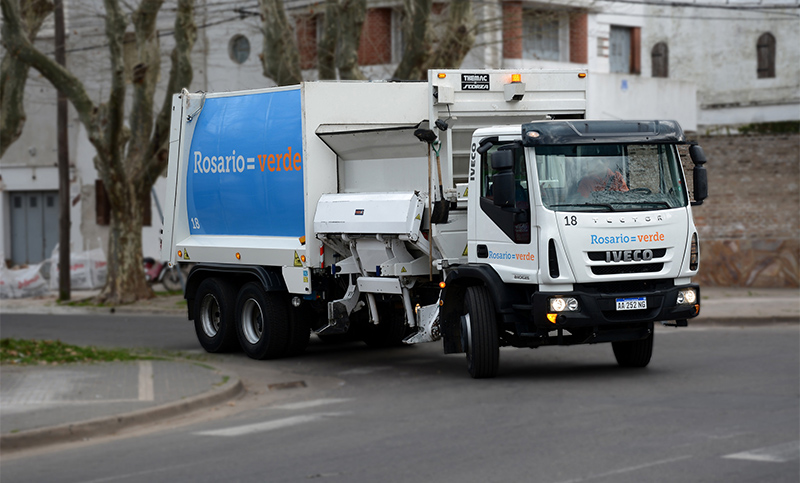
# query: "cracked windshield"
610, 177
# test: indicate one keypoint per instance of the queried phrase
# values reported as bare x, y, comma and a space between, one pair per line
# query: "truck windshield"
610, 177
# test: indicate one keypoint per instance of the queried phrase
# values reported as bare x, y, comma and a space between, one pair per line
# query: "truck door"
501, 220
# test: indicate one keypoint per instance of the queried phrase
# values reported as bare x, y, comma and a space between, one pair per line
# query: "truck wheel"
299, 329
262, 322
172, 280
482, 339
635, 353
214, 306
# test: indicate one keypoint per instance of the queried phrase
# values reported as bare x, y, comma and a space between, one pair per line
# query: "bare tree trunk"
351, 21
127, 176
326, 49
14, 74
418, 40
281, 57
458, 38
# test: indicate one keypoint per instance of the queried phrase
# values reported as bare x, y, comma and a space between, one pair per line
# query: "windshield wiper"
663, 203
575, 205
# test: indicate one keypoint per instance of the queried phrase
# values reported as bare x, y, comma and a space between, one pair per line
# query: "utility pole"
63, 164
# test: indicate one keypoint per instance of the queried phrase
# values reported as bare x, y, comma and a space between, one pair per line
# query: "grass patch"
54, 352
81, 303
782, 127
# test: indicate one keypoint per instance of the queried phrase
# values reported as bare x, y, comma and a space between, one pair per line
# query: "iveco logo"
629, 255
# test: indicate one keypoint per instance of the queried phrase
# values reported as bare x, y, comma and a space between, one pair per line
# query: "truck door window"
515, 222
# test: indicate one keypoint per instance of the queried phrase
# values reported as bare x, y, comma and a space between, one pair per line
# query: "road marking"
310, 404
146, 381
270, 425
780, 453
627, 470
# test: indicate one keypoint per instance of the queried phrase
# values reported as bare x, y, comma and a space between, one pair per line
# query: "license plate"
632, 303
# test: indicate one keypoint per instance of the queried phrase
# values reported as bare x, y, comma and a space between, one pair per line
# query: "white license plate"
632, 303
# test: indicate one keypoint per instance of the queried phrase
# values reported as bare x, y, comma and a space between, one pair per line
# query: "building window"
660, 59
624, 50
765, 49
540, 36
239, 48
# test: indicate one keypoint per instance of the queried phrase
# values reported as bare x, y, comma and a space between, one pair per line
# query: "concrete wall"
622, 96
750, 225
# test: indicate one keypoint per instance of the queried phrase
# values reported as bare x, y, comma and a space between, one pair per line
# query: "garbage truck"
479, 208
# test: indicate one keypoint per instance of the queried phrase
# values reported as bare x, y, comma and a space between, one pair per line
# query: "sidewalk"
42, 405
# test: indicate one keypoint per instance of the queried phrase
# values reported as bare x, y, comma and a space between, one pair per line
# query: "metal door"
620, 58
34, 225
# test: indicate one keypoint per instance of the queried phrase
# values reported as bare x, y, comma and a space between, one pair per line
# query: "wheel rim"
252, 321
209, 315
466, 330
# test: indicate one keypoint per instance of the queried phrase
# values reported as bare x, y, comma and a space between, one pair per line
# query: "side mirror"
699, 174
503, 160
503, 186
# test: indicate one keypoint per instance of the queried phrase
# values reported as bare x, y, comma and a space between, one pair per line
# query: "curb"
108, 425
744, 322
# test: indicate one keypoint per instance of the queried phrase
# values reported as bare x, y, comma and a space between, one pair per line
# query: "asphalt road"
715, 404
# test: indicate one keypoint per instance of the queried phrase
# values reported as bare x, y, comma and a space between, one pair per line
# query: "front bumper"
598, 307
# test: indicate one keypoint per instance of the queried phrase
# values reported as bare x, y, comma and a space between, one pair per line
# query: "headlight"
687, 296
564, 304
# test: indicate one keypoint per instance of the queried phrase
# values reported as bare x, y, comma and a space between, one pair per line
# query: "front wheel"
262, 322
634, 353
481, 339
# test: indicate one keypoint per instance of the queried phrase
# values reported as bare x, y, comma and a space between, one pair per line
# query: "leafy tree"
130, 156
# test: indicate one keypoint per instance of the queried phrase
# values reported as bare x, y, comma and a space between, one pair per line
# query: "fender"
452, 297
270, 280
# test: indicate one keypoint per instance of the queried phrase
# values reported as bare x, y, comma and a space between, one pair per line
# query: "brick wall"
750, 225
307, 41
579, 38
512, 30
375, 46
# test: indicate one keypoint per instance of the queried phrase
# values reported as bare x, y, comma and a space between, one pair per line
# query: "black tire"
172, 280
262, 322
635, 353
391, 329
482, 339
299, 329
214, 315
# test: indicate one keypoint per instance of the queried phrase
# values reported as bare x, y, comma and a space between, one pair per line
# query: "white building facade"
707, 64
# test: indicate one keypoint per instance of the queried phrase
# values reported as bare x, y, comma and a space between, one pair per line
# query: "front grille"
634, 268
601, 256
628, 286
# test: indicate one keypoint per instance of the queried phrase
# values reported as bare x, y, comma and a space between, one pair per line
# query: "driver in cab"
601, 177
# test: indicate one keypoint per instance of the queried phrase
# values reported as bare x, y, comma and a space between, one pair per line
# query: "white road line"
627, 470
270, 425
310, 404
780, 453
146, 381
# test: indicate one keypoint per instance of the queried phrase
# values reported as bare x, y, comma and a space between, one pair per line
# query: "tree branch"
180, 75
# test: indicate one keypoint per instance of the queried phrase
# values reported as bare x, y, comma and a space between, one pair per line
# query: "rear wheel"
262, 322
214, 311
635, 353
481, 339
